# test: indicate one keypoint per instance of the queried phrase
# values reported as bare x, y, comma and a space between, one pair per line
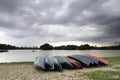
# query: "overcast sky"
35, 22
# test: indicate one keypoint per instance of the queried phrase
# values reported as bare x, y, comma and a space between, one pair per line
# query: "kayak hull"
39, 63
81, 60
101, 60
76, 64
63, 61
92, 60
48, 63
57, 66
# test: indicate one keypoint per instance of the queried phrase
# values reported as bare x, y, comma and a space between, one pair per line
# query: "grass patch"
103, 75
113, 60
106, 75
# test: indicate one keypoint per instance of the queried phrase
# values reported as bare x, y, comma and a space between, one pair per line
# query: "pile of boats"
57, 63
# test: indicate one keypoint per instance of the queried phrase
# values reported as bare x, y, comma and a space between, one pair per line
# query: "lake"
29, 55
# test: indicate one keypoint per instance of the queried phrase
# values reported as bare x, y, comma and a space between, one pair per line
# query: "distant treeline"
47, 46
7, 46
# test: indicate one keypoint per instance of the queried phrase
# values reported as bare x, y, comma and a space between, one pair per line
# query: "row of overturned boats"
57, 63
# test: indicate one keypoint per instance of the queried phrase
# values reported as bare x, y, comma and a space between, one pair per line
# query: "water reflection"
29, 55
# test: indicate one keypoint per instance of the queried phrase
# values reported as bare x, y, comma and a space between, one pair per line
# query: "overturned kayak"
101, 60
39, 63
63, 61
76, 64
57, 66
49, 65
92, 60
81, 60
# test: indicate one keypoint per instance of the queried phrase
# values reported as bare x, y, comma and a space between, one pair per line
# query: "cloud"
61, 20
8, 6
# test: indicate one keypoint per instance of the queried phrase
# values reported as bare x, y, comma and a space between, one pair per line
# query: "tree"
84, 47
46, 46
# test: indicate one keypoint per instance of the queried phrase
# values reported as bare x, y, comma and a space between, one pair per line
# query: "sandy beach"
28, 72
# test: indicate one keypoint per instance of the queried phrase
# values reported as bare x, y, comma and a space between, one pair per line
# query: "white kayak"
39, 63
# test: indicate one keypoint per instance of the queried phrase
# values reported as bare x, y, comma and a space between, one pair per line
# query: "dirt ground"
28, 72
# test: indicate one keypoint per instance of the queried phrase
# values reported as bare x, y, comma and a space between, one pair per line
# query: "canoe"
39, 63
63, 61
101, 60
81, 60
87, 59
48, 63
57, 66
92, 60
76, 64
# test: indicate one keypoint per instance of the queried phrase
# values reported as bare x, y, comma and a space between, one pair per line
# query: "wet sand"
28, 72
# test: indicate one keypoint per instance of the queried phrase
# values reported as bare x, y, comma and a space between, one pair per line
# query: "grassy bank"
113, 60
112, 74
104, 75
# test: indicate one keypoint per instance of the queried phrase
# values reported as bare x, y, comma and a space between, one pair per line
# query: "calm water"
28, 55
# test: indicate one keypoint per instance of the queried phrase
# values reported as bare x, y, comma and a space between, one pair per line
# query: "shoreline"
27, 71
31, 62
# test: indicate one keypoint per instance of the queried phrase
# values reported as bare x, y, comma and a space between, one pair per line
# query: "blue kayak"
64, 62
93, 61
48, 63
80, 59
39, 63
57, 65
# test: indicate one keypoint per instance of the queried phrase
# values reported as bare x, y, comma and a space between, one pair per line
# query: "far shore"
27, 71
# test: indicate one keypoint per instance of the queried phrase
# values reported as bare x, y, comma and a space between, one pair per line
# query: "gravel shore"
28, 72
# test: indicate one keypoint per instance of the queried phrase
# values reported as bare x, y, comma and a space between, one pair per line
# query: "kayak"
57, 66
63, 61
101, 60
76, 64
81, 60
92, 60
48, 63
39, 63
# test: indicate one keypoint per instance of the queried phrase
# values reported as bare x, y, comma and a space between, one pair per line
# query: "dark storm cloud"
11, 6
57, 19
104, 14
8, 5
113, 29
6, 24
8, 10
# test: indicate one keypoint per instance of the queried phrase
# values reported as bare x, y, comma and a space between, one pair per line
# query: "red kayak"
75, 63
99, 59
